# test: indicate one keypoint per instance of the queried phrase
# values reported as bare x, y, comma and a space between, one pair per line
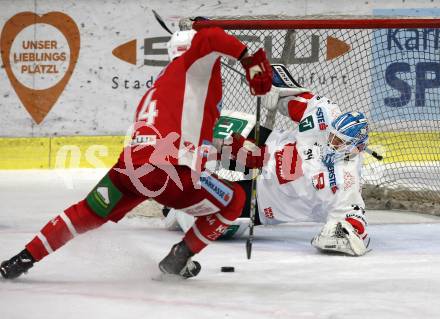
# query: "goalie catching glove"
258, 72
348, 236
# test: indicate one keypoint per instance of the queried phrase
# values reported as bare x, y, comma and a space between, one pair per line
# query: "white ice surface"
108, 273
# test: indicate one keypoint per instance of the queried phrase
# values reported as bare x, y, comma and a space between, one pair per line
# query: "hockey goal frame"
336, 23
376, 197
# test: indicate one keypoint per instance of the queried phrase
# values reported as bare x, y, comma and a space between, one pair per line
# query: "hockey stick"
255, 173
161, 22
374, 154
281, 78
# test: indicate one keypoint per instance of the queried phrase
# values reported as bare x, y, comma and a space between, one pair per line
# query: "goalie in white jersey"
309, 173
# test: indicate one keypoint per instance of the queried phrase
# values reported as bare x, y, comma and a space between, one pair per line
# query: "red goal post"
241, 23
388, 68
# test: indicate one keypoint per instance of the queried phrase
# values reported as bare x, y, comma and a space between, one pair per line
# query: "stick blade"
249, 248
161, 22
282, 78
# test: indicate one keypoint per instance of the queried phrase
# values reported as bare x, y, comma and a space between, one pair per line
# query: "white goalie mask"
179, 43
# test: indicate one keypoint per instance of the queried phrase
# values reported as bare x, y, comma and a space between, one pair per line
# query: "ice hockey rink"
112, 272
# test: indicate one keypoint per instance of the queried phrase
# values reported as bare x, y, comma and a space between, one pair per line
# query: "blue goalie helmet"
347, 134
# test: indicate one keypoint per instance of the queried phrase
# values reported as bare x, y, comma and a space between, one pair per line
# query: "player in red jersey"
173, 128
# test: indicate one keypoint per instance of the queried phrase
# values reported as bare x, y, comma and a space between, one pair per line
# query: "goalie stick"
374, 154
255, 173
281, 78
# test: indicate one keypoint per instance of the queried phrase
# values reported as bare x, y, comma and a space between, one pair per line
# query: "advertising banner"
406, 71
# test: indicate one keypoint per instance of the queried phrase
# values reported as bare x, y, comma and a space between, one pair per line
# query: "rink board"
102, 151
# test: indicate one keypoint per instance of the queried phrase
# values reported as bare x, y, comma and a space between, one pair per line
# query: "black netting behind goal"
390, 74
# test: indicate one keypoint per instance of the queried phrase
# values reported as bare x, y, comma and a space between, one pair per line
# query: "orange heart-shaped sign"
39, 54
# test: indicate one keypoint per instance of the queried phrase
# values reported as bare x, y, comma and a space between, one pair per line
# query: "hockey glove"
258, 72
348, 236
243, 150
271, 99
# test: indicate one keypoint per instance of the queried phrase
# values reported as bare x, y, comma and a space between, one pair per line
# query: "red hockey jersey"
178, 113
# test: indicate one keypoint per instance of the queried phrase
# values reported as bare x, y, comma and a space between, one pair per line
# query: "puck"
227, 269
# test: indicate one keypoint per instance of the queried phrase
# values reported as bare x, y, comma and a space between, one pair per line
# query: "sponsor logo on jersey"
204, 207
268, 212
332, 178
321, 120
318, 181
104, 197
210, 219
217, 232
216, 188
144, 140
286, 161
306, 124
226, 125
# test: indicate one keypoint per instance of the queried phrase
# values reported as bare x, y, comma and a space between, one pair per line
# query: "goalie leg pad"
340, 236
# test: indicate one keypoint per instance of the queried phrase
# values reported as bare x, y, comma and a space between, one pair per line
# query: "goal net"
387, 68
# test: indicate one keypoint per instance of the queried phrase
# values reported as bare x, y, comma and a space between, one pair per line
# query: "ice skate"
178, 262
17, 265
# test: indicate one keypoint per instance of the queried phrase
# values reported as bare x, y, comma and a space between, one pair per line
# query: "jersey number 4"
148, 111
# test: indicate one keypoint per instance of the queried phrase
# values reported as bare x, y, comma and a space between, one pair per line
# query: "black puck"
227, 269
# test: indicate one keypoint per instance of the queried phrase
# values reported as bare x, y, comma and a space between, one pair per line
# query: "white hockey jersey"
295, 185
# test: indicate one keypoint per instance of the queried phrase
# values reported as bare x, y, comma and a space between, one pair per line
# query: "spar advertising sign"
406, 70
